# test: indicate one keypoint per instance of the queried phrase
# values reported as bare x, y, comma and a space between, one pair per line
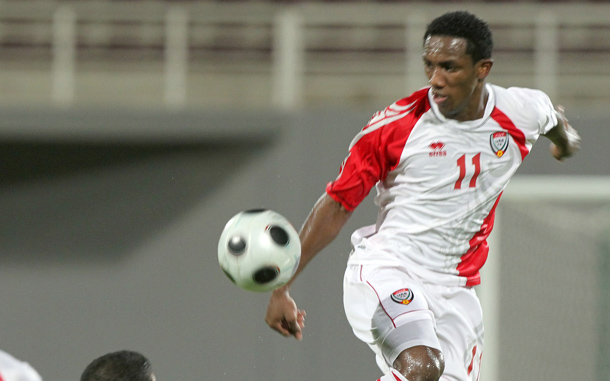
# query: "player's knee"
420, 363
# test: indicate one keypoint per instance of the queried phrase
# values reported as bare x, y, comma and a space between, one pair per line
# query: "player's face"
456, 81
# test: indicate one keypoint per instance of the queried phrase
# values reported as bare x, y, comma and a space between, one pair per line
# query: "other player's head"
464, 25
119, 366
457, 59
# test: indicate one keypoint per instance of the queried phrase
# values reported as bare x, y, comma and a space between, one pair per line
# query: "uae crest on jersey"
499, 142
402, 296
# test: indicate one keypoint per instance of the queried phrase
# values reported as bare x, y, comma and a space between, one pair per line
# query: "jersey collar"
491, 103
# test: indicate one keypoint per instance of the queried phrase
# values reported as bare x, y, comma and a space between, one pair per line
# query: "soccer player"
13, 369
440, 160
119, 366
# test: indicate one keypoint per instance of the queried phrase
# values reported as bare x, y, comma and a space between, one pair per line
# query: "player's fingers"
301, 318
296, 331
294, 328
278, 324
281, 329
298, 336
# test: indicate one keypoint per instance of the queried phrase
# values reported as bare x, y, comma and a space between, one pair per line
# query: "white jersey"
438, 180
12, 369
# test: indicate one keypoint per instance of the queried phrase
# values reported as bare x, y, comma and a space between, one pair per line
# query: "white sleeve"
540, 106
544, 108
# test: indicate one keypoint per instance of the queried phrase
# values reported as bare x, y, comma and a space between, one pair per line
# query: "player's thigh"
388, 310
459, 327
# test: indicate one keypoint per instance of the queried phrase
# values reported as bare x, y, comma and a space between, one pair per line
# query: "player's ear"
484, 67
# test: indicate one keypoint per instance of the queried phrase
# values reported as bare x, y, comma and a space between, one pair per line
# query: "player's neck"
478, 102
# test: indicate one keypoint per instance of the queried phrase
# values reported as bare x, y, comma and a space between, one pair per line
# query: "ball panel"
255, 211
236, 245
266, 274
278, 235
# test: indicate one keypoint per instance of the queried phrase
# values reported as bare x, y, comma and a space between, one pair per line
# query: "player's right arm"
321, 227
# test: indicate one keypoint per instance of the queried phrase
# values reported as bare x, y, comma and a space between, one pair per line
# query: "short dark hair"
118, 366
464, 25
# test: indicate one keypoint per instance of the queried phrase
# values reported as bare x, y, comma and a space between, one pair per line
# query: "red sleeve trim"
337, 197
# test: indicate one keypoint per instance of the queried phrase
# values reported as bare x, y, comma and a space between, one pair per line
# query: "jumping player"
440, 160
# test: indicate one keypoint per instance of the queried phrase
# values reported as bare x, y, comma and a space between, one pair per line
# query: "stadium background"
132, 130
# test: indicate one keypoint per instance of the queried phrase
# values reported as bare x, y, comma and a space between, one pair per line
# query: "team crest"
402, 296
499, 142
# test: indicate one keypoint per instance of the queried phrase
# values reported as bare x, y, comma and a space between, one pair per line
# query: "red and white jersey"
438, 180
13, 369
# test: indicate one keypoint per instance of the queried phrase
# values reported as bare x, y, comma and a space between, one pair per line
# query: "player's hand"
571, 137
284, 316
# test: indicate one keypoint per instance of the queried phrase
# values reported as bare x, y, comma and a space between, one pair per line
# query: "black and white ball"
259, 250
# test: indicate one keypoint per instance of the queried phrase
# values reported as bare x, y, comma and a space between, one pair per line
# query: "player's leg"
410, 365
459, 326
388, 310
420, 363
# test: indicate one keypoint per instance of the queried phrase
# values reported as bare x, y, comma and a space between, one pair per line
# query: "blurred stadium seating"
354, 52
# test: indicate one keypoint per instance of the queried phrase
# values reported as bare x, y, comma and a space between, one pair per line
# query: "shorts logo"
499, 142
402, 296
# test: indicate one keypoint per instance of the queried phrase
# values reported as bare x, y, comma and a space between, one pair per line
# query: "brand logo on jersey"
499, 142
438, 149
402, 296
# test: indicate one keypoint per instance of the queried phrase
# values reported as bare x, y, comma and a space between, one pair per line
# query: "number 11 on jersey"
461, 163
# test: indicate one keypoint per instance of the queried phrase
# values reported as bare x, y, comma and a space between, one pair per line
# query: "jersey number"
461, 163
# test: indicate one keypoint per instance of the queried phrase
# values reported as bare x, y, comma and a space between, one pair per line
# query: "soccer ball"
259, 250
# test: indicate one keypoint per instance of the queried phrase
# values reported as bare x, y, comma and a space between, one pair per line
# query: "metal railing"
562, 49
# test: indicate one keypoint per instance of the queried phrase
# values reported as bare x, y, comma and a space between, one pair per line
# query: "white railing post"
414, 29
64, 56
176, 57
288, 60
547, 53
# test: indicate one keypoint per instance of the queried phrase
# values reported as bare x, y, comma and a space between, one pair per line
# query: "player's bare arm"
565, 140
321, 227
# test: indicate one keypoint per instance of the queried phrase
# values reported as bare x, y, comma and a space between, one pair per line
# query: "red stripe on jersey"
480, 362
507, 124
377, 149
471, 366
475, 257
1, 379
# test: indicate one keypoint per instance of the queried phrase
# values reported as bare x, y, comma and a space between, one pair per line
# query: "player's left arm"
565, 140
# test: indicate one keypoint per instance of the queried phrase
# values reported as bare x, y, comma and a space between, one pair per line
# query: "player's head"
119, 366
461, 24
457, 59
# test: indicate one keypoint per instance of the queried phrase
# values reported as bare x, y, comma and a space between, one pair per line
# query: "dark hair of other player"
119, 366
464, 25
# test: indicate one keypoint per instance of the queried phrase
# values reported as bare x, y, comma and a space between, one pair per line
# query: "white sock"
394, 375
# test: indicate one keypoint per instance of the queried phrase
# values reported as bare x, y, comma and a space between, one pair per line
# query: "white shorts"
391, 310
